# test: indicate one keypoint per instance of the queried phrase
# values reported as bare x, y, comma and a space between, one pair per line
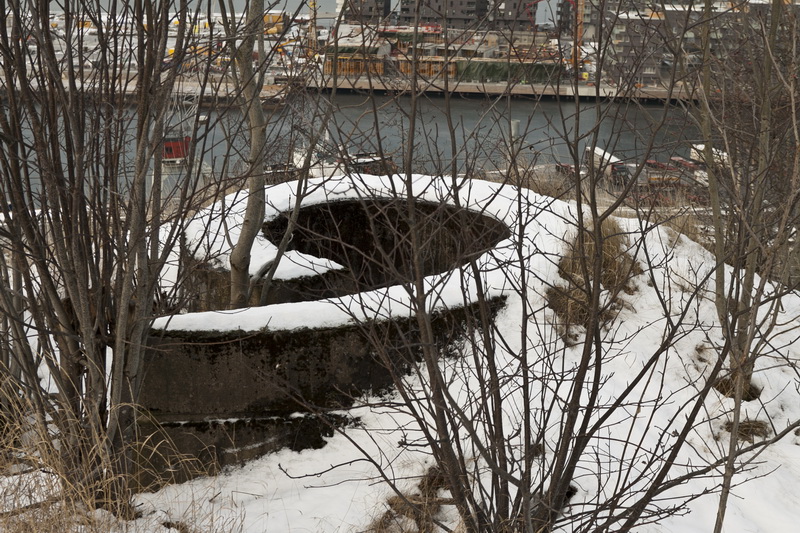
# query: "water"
482, 130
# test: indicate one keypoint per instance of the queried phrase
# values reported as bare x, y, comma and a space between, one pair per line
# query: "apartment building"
367, 11
639, 38
489, 14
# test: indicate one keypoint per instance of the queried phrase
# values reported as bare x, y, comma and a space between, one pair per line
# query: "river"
544, 130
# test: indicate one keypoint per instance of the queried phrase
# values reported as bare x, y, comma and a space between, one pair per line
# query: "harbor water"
452, 134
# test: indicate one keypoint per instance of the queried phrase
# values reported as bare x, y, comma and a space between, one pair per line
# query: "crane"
580, 7
312, 31
530, 12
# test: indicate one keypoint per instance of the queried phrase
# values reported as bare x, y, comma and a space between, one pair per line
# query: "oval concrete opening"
379, 243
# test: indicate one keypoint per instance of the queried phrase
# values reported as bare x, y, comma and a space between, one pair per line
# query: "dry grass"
571, 302
749, 430
688, 224
415, 512
678, 209
727, 388
51, 483
616, 267
547, 182
45, 487
553, 184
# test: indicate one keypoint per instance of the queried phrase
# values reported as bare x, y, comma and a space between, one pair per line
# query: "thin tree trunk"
251, 108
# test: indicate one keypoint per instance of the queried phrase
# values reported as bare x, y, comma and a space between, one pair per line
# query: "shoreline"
582, 91
219, 92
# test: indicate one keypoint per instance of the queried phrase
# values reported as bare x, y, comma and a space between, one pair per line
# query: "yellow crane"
312, 30
580, 7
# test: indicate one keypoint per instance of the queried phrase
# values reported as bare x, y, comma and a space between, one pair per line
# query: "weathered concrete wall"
190, 376
224, 398
176, 452
372, 240
195, 376
369, 238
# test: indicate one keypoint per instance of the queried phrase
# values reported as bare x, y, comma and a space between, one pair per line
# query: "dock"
564, 89
214, 92
221, 91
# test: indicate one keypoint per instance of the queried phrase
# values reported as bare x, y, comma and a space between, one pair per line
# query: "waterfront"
567, 89
546, 131
453, 134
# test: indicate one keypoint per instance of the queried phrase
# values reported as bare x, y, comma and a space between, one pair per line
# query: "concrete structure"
224, 398
221, 397
568, 90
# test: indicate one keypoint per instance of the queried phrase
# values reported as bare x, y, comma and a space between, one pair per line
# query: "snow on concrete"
214, 230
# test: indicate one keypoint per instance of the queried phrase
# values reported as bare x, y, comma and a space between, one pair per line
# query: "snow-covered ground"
343, 486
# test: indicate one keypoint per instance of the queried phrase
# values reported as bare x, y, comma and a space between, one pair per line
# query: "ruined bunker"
223, 396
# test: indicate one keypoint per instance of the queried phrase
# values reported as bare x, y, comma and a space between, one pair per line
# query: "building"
649, 45
565, 18
634, 36
489, 14
366, 11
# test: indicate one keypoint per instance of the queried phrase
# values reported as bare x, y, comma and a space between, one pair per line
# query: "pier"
222, 91
564, 89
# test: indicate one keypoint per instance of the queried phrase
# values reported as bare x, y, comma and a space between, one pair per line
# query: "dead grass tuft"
45, 488
571, 302
553, 185
571, 305
686, 223
55, 482
691, 225
616, 266
547, 182
415, 512
749, 430
433, 481
180, 527
727, 387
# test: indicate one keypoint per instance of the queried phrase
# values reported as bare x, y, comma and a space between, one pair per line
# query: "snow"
340, 487
261, 496
206, 233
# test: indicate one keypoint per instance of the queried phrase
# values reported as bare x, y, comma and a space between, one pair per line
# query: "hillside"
635, 421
